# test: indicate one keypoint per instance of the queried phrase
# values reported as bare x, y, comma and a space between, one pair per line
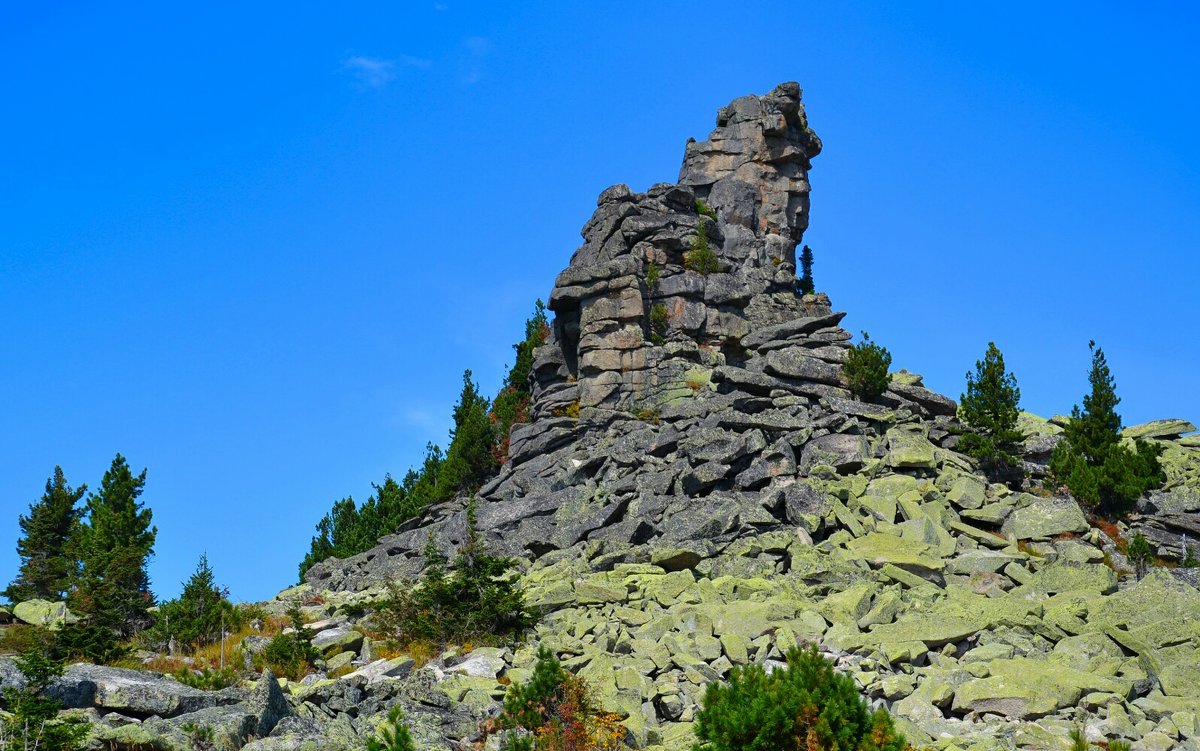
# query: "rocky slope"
708, 501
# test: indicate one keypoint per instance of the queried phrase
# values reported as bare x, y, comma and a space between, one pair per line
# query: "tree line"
478, 446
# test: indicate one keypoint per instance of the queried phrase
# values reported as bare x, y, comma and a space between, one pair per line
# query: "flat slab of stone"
1170, 428
1043, 518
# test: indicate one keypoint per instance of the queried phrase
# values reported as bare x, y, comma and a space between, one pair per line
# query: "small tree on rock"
805, 285
990, 409
866, 369
46, 566
1091, 460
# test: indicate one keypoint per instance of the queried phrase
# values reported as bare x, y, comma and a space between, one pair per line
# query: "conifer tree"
990, 408
805, 285
46, 568
115, 543
470, 459
866, 369
197, 616
1091, 460
511, 405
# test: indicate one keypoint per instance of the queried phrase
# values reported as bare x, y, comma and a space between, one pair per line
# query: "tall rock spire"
680, 273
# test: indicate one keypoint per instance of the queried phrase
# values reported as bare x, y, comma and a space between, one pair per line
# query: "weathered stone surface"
843, 452
43, 613
908, 447
1159, 429
1044, 518
131, 692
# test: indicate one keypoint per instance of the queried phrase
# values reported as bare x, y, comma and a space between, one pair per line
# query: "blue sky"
252, 247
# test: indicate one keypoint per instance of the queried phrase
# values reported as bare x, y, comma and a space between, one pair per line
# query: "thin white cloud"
479, 45
373, 72
477, 49
416, 62
440, 6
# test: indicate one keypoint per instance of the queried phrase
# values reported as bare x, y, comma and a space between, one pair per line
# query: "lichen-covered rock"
1043, 518
53, 615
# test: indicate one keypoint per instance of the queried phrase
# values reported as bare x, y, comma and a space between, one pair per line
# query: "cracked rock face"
744, 194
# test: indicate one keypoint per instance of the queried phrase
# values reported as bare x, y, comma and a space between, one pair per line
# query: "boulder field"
699, 490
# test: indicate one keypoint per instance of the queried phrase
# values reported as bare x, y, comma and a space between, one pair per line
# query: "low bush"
652, 275
473, 598
701, 257
392, 735
659, 322
805, 707
32, 720
555, 711
207, 679
866, 369
1139, 554
290, 654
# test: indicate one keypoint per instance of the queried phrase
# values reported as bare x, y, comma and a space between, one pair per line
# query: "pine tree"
46, 567
197, 616
990, 408
511, 405
866, 369
805, 285
115, 543
470, 459
1091, 460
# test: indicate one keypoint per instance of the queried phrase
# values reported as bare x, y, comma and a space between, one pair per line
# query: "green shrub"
199, 614
1091, 461
652, 275
32, 722
207, 679
1189, 557
989, 408
659, 322
703, 209
200, 737
392, 735
805, 707
292, 654
555, 711
473, 599
701, 257
1139, 554
866, 369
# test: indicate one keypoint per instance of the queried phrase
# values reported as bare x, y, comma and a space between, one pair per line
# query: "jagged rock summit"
752, 177
734, 387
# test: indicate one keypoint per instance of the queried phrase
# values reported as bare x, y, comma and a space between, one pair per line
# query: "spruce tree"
196, 617
1091, 460
990, 408
805, 285
46, 567
470, 459
115, 543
